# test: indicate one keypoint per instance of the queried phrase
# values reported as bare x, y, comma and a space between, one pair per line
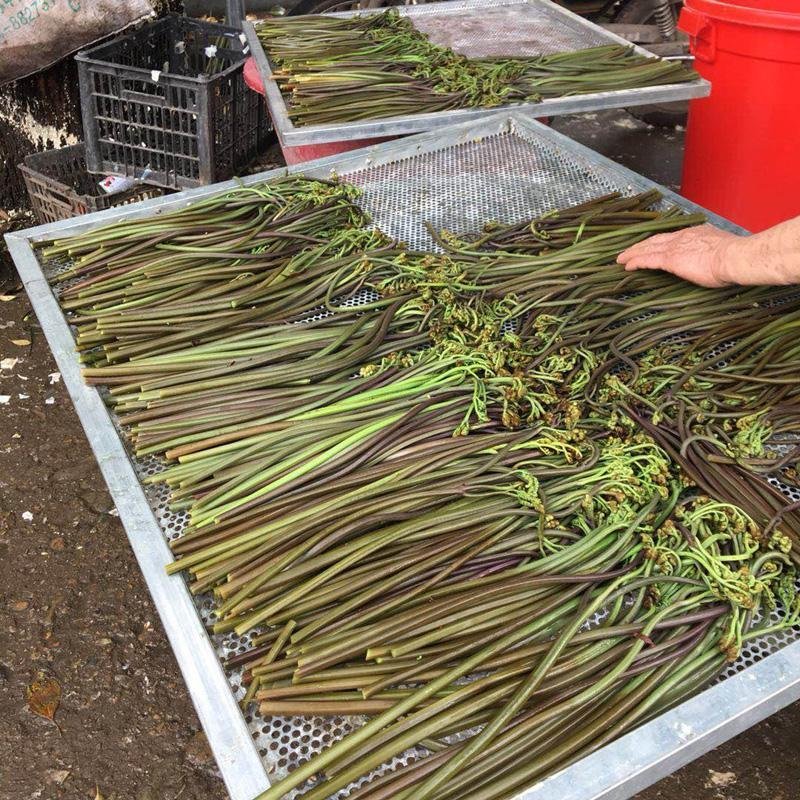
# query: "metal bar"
554, 15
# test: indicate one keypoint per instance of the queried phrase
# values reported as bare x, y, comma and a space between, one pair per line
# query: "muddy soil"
74, 607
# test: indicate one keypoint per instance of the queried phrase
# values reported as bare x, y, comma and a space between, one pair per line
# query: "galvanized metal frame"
615, 772
291, 135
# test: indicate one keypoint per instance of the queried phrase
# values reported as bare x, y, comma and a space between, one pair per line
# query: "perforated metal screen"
505, 177
508, 177
506, 30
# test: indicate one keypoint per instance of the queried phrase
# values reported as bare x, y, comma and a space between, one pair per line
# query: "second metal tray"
478, 28
506, 168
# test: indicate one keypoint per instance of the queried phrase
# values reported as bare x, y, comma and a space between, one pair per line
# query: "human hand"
695, 254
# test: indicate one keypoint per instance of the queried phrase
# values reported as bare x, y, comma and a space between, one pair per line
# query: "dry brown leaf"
97, 795
7, 298
21, 342
44, 695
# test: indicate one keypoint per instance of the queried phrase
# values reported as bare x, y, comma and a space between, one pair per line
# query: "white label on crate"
242, 38
113, 184
155, 74
245, 50
211, 51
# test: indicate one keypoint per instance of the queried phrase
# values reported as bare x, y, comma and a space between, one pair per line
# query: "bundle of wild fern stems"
504, 502
344, 69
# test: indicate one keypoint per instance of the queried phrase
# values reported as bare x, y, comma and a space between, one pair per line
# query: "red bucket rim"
252, 77
746, 15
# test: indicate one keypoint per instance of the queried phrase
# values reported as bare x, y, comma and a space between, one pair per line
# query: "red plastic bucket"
742, 157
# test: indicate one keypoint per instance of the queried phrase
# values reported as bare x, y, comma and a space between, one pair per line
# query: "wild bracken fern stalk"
334, 69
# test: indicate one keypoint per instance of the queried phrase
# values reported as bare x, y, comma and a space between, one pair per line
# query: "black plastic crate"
168, 103
60, 186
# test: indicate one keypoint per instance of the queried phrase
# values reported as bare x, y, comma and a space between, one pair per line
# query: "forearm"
769, 257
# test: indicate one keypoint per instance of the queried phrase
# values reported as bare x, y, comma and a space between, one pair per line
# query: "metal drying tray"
506, 167
478, 28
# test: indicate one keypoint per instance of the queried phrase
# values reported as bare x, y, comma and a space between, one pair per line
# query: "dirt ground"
74, 608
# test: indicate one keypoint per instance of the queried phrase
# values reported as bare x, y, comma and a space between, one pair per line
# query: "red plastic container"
742, 156
302, 153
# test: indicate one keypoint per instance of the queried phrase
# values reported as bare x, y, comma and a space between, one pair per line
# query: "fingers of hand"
674, 241
642, 248
662, 240
652, 259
